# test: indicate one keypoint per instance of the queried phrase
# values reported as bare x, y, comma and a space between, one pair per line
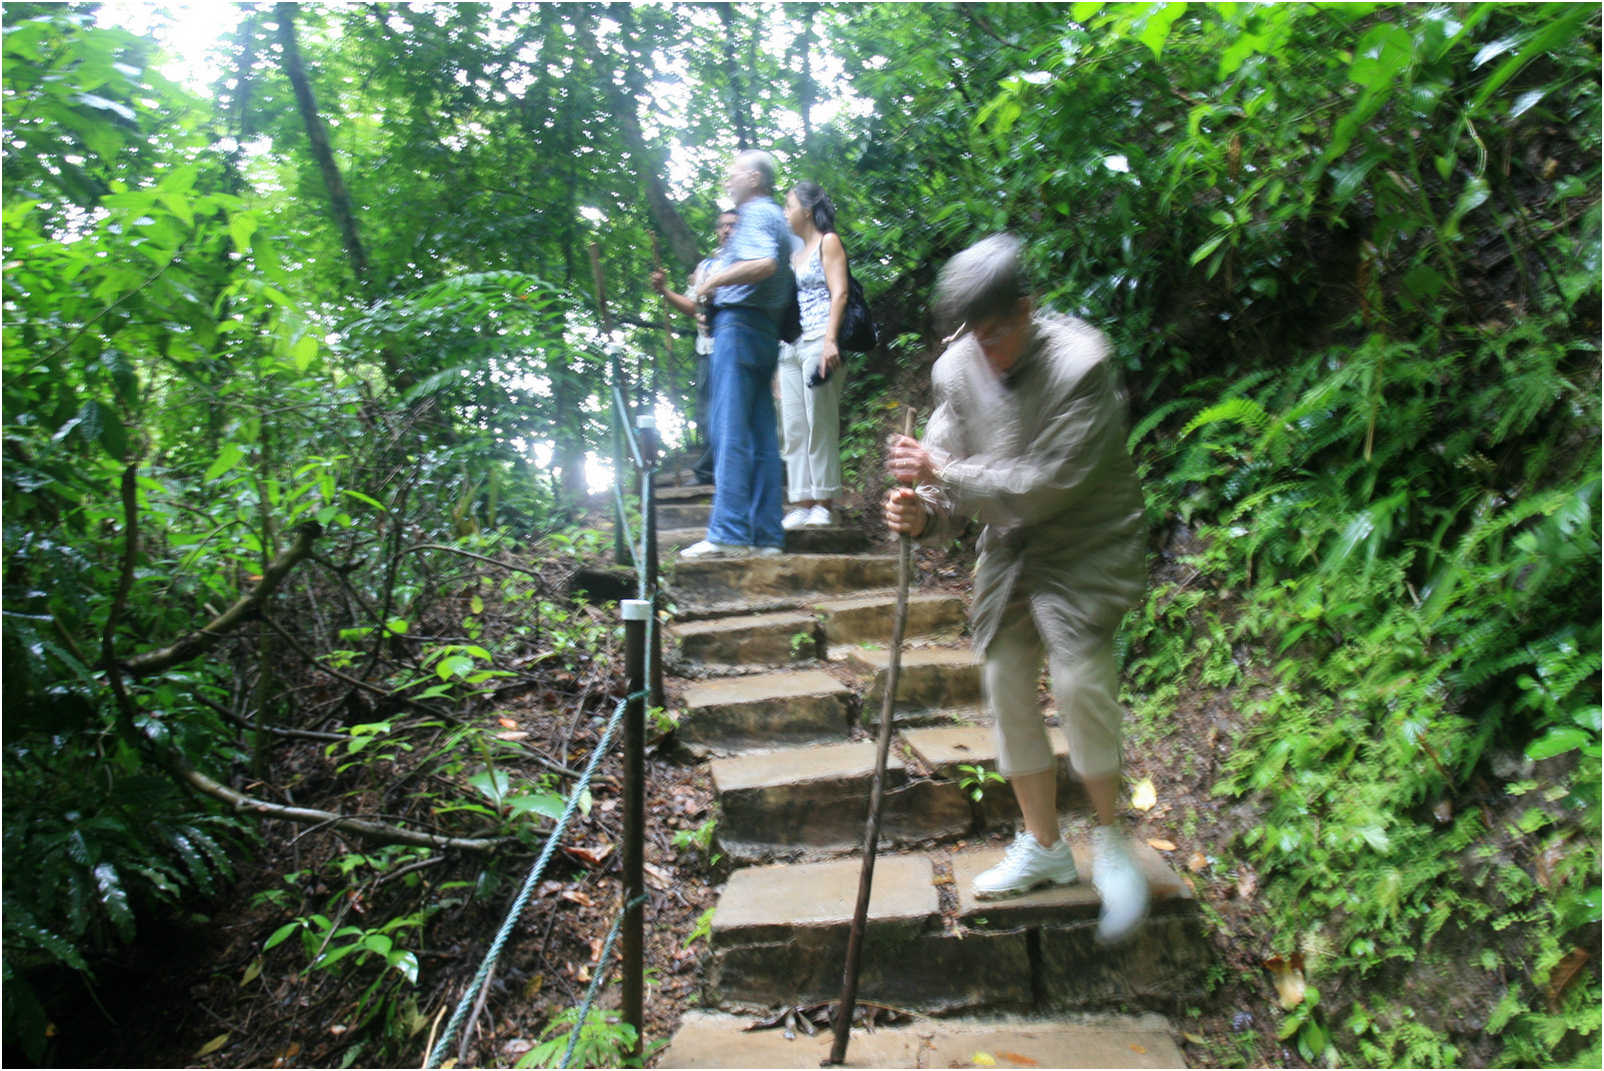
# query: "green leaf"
229, 456
114, 900
281, 933
1382, 54
1541, 44
1557, 742
492, 784
453, 666
548, 804
405, 962
1156, 30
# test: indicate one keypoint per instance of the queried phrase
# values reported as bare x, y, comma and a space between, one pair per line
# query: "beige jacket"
1040, 457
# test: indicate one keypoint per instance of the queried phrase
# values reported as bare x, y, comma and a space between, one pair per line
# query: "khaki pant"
1085, 683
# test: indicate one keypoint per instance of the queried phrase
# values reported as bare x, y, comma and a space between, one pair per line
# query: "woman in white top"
810, 374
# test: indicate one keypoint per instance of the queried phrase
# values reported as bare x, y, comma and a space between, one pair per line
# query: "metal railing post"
620, 545
648, 437
636, 613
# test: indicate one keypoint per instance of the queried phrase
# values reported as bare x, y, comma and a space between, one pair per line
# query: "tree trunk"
649, 162
738, 118
339, 200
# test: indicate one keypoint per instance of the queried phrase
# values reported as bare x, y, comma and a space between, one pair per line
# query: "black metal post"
636, 613
648, 508
620, 544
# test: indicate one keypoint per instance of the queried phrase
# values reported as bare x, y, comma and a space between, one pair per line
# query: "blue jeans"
746, 448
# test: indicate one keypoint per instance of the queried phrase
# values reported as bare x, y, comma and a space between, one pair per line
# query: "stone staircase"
783, 664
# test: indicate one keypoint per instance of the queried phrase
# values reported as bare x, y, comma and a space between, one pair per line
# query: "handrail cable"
596, 979
494, 952
535, 872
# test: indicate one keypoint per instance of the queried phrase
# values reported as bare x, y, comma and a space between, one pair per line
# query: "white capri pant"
1085, 683
811, 421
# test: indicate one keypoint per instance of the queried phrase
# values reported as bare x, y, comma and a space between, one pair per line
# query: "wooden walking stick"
871, 833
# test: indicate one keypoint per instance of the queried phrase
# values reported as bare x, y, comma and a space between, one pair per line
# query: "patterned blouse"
813, 294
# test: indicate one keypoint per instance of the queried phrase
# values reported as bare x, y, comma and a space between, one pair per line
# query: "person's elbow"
764, 268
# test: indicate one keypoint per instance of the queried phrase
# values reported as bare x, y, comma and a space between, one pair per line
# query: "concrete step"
929, 679
870, 618
753, 639
779, 937
946, 748
715, 1039
817, 799
767, 710
1162, 964
712, 584
833, 540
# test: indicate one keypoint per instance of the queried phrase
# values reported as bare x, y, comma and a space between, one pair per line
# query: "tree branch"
246, 607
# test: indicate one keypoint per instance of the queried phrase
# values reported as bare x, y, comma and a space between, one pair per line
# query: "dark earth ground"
205, 994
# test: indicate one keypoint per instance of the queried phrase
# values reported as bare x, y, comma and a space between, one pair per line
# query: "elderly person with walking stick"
1028, 434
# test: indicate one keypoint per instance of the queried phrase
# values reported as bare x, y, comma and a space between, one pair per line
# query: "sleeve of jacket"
1062, 467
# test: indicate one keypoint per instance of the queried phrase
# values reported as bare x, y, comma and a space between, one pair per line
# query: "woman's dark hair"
817, 204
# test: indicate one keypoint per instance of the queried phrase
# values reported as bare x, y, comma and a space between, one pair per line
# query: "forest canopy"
265, 338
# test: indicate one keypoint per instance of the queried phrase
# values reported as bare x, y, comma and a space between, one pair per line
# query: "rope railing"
643, 667
596, 979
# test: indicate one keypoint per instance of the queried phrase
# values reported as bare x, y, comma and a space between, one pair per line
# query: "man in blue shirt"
748, 290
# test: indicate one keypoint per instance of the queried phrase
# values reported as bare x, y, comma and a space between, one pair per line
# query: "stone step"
929, 679
870, 618
693, 492
715, 583
817, 799
673, 514
946, 748
779, 937
832, 540
753, 639
766, 710
715, 1039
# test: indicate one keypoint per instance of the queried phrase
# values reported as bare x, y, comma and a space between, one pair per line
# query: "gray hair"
762, 163
984, 281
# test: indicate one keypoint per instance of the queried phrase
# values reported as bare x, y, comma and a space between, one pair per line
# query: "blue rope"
596, 979
534, 876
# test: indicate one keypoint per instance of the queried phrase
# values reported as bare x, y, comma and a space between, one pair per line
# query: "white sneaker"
768, 552
1026, 866
704, 549
819, 517
796, 518
1120, 882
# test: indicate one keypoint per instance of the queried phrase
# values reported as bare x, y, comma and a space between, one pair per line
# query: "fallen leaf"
983, 1059
574, 896
506, 723
547, 887
517, 734
1160, 844
1144, 795
337, 1029
212, 1046
582, 974
251, 972
1137, 1048
287, 1057
593, 855
1563, 975
1198, 862
1017, 1060
656, 876
1246, 883
942, 879
1194, 1039
1288, 978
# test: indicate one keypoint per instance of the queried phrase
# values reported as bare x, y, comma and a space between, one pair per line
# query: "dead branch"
245, 608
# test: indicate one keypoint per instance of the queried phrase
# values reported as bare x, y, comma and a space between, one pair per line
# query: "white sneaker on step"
819, 517
1026, 866
705, 549
768, 552
1120, 882
795, 519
